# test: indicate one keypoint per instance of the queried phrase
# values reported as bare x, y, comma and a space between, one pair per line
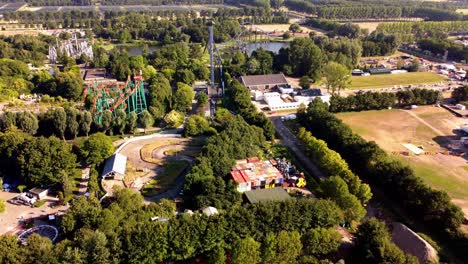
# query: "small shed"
115, 167
38, 193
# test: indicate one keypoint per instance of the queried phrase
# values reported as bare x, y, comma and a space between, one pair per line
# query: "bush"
174, 119
2, 206
39, 203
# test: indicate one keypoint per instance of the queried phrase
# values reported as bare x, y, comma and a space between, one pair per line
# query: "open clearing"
390, 80
371, 26
392, 128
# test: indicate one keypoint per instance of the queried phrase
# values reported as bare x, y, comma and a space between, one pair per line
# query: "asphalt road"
290, 140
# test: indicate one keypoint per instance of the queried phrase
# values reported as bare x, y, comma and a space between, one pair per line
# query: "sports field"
390, 80
432, 128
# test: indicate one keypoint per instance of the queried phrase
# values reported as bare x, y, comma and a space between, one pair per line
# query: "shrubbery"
382, 100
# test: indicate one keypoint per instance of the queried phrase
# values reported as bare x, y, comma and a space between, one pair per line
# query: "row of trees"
238, 97
383, 100
342, 186
294, 231
36, 161
68, 122
422, 27
397, 180
375, 10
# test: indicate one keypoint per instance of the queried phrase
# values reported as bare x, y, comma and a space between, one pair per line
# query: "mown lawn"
166, 180
390, 80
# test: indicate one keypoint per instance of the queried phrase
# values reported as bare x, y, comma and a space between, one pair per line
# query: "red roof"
239, 176
252, 160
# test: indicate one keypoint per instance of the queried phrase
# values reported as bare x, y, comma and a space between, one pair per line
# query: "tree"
196, 125
217, 255
59, 121
85, 120
8, 121
146, 120
43, 161
321, 241
160, 93
304, 82
288, 247
39, 249
202, 99
174, 119
264, 59
2, 206
132, 119
374, 245
120, 121
246, 251
10, 250
415, 65
295, 28
183, 98
305, 58
72, 122
106, 121
69, 85
27, 121
96, 148
460, 94
337, 77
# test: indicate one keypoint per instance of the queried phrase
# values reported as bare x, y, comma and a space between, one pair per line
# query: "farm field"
278, 27
390, 80
392, 128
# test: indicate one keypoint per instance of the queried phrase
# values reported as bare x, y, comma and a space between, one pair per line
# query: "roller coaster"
129, 96
250, 33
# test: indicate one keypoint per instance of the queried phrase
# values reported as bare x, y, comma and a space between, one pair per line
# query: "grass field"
390, 80
392, 128
165, 180
463, 11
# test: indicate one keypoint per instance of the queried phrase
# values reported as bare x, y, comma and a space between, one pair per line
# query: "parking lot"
17, 214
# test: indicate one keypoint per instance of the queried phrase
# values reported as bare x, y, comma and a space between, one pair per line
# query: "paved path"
290, 140
437, 131
84, 181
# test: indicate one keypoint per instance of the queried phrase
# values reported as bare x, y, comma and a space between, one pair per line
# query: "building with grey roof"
115, 167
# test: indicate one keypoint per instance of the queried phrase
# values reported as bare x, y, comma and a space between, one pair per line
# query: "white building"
277, 101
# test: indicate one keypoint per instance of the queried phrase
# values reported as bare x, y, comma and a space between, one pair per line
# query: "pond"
269, 46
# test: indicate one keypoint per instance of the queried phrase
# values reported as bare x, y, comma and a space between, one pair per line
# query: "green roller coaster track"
101, 97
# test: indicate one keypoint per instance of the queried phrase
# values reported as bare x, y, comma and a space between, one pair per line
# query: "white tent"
210, 210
